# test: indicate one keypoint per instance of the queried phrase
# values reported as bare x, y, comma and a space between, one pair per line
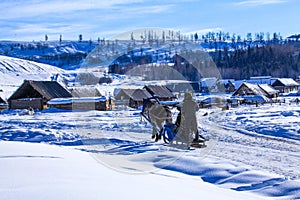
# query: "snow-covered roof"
288, 81
260, 77
256, 98
238, 83
255, 88
254, 80
268, 89
76, 100
225, 81
259, 81
208, 82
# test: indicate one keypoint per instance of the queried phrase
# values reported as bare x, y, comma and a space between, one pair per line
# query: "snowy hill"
14, 71
65, 54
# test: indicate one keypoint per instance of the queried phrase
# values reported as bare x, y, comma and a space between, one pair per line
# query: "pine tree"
268, 36
196, 37
249, 37
131, 36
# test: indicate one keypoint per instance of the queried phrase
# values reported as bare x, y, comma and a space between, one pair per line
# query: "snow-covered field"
253, 153
40, 171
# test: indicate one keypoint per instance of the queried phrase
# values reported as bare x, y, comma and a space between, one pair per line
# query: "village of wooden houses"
209, 92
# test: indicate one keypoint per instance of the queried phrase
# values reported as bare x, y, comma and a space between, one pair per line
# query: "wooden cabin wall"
35, 103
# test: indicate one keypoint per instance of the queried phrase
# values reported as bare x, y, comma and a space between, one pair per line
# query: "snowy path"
238, 141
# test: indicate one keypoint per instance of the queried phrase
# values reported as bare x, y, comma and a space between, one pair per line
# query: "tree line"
277, 60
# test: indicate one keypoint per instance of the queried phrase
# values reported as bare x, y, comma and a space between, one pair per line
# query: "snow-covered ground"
40, 171
253, 152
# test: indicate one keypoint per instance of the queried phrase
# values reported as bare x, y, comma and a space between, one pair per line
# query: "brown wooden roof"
40, 89
125, 93
140, 95
159, 91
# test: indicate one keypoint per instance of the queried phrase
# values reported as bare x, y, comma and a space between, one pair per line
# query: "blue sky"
32, 19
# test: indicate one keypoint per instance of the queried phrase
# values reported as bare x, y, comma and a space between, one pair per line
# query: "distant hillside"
72, 54
65, 54
234, 59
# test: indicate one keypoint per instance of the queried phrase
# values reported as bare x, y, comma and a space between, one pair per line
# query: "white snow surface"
253, 153
40, 171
